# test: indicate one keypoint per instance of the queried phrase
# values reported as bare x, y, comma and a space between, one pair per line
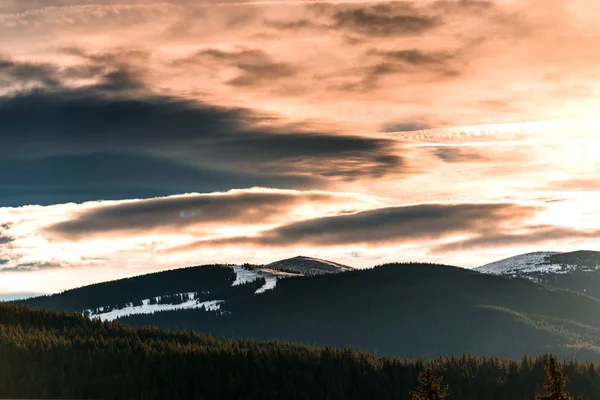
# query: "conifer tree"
430, 387
555, 383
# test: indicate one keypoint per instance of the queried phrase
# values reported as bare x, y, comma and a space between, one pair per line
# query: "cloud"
99, 235
108, 74
406, 126
392, 225
382, 20
5, 238
576, 184
30, 266
528, 235
256, 66
64, 132
459, 154
114, 176
234, 208
415, 57
25, 73
292, 25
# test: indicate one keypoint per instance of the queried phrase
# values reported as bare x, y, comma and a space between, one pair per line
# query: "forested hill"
207, 278
413, 310
46, 354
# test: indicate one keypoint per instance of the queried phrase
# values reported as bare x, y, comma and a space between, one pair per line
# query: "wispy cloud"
390, 225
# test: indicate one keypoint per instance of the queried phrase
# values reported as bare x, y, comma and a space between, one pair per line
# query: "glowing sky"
138, 136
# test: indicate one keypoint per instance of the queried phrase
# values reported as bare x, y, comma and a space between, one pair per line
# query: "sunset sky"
139, 136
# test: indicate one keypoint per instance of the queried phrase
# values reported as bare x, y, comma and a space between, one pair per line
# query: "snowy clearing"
243, 276
148, 308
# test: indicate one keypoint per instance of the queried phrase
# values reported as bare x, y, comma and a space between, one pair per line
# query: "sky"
137, 136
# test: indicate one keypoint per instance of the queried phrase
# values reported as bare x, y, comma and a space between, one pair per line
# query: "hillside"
577, 270
57, 355
198, 287
415, 310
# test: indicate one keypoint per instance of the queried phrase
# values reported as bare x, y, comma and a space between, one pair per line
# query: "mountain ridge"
406, 309
544, 261
308, 265
578, 270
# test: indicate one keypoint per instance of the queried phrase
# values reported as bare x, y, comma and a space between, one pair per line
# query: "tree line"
47, 354
431, 388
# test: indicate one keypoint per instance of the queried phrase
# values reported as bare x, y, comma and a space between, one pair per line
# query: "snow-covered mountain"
531, 265
576, 270
308, 266
522, 264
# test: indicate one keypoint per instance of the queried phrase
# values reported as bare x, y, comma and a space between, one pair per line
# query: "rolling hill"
419, 310
205, 287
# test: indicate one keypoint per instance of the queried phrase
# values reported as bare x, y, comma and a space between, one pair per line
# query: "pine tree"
555, 383
430, 387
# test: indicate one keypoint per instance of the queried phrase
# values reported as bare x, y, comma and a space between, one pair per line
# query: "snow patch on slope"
271, 282
521, 264
152, 305
147, 308
243, 276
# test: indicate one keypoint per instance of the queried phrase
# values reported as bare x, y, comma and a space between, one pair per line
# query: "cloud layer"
141, 135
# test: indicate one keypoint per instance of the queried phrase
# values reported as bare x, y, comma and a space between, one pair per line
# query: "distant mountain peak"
538, 264
308, 266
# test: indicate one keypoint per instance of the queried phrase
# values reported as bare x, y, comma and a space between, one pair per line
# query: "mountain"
577, 270
308, 266
205, 287
420, 310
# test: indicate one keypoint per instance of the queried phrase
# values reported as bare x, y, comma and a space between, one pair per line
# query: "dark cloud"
391, 225
378, 21
412, 65
226, 146
416, 57
27, 73
397, 19
110, 74
115, 176
67, 122
292, 25
3, 261
256, 67
529, 235
406, 126
425, 66
31, 266
238, 207
4, 238
458, 154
